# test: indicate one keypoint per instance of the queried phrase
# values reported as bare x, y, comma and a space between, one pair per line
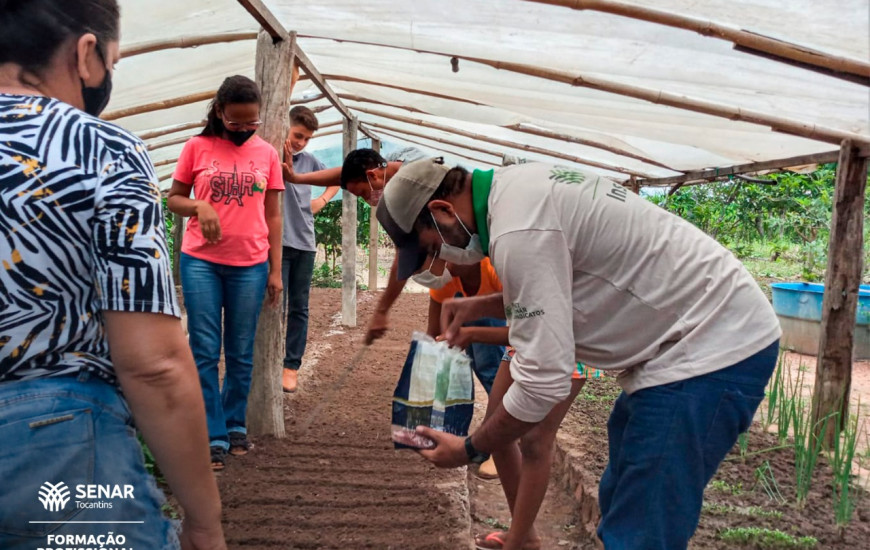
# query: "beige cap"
411, 188
404, 198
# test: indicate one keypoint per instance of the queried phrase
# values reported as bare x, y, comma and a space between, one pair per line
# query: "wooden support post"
348, 237
373, 236
842, 279
274, 67
634, 185
177, 239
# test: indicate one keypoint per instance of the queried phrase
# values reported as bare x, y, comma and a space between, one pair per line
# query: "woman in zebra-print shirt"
85, 272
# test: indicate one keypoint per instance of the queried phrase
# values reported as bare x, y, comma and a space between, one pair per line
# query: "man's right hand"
287, 165
378, 325
209, 222
456, 312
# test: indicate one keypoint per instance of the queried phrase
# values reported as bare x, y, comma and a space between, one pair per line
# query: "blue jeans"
211, 290
297, 267
485, 358
666, 442
73, 431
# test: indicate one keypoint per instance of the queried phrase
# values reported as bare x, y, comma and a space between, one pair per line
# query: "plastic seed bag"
435, 389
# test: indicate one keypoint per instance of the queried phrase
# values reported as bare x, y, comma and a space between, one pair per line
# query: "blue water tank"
799, 308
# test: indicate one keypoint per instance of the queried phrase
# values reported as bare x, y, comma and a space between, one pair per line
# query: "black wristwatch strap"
474, 456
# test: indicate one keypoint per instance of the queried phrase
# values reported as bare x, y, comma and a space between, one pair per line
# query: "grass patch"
765, 538
496, 524
748, 511
725, 487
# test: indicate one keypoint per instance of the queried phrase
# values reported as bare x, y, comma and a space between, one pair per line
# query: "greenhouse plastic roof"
380, 42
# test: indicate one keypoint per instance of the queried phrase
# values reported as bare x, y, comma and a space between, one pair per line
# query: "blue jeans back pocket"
42, 459
733, 417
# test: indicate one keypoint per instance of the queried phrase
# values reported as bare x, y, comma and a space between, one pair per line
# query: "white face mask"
430, 280
470, 255
375, 194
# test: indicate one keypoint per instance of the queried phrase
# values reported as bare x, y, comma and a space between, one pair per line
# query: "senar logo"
54, 497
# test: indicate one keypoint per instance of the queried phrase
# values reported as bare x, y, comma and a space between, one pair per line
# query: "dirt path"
341, 485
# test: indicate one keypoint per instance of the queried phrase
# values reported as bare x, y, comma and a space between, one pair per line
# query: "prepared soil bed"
341, 485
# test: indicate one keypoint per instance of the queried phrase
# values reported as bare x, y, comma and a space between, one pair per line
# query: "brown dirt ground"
341, 484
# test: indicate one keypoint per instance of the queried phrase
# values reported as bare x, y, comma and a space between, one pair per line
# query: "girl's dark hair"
235, 89
32, 31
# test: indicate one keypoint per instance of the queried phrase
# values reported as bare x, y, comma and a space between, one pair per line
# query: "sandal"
218, 459
496, 539
239, 444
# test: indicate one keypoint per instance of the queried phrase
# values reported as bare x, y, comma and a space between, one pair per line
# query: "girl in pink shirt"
231, 253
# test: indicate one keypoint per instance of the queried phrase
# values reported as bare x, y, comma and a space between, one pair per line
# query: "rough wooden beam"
171, 130
324, 134
502, 142
159, 105
373, 236
840, 301
186, 42
398, 135
536, 131
744, 40
714, 173
166, 162
266, 19
274, 76
318, 97
329, 125
168, 143
434, 138
348, 236
344, 78
363, 99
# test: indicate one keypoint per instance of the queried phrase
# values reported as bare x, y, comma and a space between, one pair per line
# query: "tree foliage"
792, 214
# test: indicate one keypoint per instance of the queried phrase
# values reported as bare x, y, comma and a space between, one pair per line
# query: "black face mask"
239, 137
97, 98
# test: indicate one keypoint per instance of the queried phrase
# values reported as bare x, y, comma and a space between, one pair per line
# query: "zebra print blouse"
81, 231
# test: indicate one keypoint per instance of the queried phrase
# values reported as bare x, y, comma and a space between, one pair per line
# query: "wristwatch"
474, 456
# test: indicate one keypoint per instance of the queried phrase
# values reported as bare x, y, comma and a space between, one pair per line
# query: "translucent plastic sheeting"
606, 46
839, 27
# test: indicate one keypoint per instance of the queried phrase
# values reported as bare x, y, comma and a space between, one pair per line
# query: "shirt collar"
481, 183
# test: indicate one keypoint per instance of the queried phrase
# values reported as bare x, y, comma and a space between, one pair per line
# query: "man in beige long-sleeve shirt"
593, 273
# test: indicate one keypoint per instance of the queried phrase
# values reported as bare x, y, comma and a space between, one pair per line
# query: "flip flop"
495, 541
218, 459
239, 444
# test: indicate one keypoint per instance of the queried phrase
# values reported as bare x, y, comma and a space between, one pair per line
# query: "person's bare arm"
179, 202
433, 328
379, 323
320, 202
324, 178
330, 177
273, 220
156, 371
